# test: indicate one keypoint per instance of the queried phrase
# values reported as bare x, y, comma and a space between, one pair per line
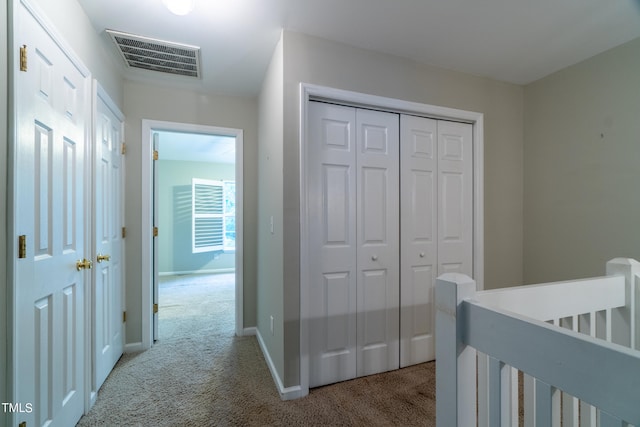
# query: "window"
214, 210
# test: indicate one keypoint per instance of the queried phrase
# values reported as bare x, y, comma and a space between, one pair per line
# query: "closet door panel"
331, 189
378, 242
419, 251
455, 201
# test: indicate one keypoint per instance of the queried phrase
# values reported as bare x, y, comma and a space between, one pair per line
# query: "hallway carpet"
199, 374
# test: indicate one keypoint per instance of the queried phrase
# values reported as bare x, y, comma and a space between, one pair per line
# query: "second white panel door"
353, 244
436, 223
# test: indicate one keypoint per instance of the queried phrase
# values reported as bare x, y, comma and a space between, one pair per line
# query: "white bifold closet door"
436, 223
390, 202
353, 181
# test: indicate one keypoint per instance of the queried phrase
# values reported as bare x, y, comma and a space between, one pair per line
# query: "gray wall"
582, 171
270, 255
142, 101
313, 60
175, 213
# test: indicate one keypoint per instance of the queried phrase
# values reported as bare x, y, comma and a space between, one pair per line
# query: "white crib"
564, 353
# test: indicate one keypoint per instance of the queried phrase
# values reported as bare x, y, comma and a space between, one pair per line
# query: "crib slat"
570, 404
483, 390
514, 414
544, 407
503, 394
588, 415
529, 400
495, 391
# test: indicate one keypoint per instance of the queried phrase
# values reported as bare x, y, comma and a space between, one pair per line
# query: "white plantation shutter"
208, 215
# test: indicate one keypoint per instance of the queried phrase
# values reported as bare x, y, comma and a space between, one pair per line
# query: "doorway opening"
195, 207
192, 253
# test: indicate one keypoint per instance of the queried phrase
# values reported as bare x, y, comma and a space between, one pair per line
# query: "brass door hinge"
155, 154
155, 231
155, 308
124, 232
23, 57
124, 316
123, 148
22, 246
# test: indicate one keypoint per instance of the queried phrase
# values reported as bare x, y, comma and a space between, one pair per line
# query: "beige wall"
149, 102
582, 148
270, 194
313, 60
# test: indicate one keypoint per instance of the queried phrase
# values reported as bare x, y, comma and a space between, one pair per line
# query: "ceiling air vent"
157, 55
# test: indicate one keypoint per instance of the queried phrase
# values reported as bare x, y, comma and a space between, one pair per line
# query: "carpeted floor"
200, 374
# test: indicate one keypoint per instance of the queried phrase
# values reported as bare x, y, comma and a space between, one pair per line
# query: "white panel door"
419, 231
108, 328
331, 189
52, 119
455, 198
378, 287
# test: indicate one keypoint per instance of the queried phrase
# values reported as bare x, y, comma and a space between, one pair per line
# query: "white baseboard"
286, 393
247, 332
134, 347
184, 273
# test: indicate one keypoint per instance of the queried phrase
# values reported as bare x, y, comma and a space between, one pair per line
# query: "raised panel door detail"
70, 342
374, 201
70, 190
375, 139
45, 73
43, 179
43, 355
373, 292
422, 202
422, 143
336, 134
336, 312
452, 147
336, 197
452, 205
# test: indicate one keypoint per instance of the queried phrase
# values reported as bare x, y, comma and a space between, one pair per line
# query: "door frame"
312, 92
148, 126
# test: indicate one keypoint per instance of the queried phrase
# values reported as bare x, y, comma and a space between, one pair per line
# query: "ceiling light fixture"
179, 7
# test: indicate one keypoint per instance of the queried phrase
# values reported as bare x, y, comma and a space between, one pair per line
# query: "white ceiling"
196, 147
517, 41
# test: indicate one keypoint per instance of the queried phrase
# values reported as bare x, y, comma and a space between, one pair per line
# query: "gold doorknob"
103, 257
85, 263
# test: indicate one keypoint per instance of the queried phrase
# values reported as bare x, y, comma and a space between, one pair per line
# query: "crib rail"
557, 334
